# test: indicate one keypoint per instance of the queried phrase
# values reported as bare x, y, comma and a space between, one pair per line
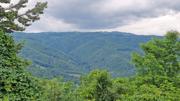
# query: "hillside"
71, 54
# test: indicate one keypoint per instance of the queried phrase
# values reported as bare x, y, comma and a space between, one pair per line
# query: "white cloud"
112, 6
109, 6
50, 24
155, 26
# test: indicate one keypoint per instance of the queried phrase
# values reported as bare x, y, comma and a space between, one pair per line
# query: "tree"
158, 70
97, 86
160, 59
16, 84
13, 19
57, 90
123, 88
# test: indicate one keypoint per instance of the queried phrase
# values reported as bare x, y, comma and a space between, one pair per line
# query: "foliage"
161, 58
13, 19
57, 90
96, 87
15, 82
158, 70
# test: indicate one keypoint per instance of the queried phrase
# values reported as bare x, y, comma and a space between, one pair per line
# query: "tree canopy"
15, 82
160, 58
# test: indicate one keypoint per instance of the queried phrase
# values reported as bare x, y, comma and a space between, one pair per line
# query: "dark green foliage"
11, 19
15, 82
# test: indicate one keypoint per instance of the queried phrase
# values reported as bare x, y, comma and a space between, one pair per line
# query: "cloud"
50, 24
156, 26
92, 15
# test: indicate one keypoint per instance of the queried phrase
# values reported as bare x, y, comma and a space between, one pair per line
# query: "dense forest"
157, 66
157, 77
72, 54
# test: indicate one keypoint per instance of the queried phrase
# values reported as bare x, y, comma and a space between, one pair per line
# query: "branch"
5, 1
20, 4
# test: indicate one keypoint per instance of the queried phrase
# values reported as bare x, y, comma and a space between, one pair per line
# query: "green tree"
97, 86
57, 90
158, 70
15, 82
123, 88
160, 59
13, 19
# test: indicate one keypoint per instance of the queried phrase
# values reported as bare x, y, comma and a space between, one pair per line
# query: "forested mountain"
106, 55
74, 53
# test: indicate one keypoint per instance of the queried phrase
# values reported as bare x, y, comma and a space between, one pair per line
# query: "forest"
72, 54
156, 77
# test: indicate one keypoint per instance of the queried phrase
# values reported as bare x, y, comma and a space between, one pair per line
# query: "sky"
147, 17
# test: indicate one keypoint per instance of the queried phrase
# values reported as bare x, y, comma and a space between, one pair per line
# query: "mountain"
71, 54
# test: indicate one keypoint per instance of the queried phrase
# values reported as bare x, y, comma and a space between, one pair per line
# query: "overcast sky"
135, 16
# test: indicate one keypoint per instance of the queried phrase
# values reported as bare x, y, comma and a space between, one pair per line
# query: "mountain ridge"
72, 54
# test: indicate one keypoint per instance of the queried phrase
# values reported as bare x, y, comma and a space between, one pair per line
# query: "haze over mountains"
71, 54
